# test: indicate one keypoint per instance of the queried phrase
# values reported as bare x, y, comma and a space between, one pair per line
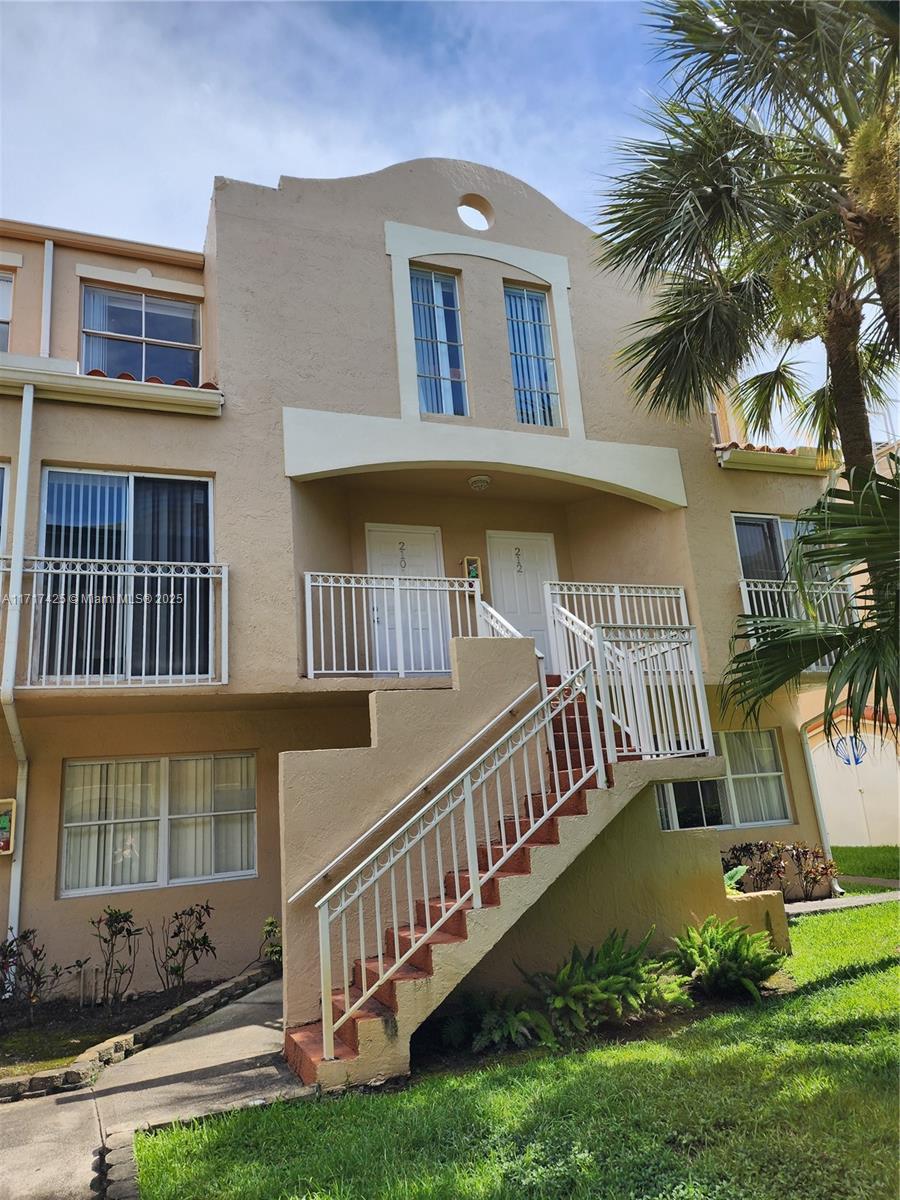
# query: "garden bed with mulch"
68, 1046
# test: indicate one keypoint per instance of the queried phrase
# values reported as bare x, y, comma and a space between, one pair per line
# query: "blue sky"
117, 116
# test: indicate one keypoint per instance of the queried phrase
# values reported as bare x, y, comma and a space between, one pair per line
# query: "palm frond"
851, 536
699, 334
695, 194
759, 397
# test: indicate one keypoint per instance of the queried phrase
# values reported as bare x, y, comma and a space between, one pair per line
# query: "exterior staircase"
383, 996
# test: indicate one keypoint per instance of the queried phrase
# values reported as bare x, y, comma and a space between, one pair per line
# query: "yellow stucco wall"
241, 905
634, 876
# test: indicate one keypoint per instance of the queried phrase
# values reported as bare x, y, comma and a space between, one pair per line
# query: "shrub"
732, 878
270, 949
722, 959
183, 941
811, 866
764, 862
119, 940
507, 1022
26, 979
609, 983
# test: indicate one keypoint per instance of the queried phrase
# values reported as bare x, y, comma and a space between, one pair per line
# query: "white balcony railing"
386, 624
781, 598
102, 623
618, 603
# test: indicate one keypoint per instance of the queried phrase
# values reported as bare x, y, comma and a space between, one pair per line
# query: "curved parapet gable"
318, 444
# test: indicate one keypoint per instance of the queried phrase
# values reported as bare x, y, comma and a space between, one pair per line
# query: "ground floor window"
146, 822
752, 791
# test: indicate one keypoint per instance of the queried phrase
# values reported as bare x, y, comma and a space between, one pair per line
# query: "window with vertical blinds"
531, 355
142, 822
124, 518
439, 349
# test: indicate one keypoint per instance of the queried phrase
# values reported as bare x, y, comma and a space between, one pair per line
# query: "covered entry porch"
394, 564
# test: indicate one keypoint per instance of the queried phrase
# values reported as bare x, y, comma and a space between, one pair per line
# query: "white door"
411, 623
520, 564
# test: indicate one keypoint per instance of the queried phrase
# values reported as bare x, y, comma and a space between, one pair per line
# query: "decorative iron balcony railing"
89, 623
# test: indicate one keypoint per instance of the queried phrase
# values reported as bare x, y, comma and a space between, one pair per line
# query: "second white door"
520, 564
410, 635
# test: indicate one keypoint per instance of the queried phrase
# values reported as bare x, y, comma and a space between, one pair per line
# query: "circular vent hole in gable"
475, 211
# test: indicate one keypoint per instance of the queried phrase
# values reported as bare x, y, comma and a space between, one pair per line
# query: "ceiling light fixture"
479, 482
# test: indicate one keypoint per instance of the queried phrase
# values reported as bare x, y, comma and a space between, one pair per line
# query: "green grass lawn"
881, 862
861, 889
796, 1098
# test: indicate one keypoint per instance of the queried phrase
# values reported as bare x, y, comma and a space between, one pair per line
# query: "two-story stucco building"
363, 480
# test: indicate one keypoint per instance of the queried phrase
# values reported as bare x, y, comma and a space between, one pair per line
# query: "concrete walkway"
230, 1058
800, 907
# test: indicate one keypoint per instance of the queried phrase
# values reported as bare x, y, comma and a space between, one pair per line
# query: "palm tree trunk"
843, 320
877, 242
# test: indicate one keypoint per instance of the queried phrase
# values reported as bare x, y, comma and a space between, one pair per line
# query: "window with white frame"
151, 621
763, 544
144, 336
4, 485
6, 290
531, 355
150, 822
752, 791
439, 351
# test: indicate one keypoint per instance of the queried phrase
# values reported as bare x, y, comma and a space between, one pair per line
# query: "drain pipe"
10, 653
836, 889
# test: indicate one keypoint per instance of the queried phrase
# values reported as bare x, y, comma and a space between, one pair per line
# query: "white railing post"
223, 637
700, 690
590, 699
471, 843
603, 687
745, 596
325, 969
398, 629
310, 641
552, 631
484, 629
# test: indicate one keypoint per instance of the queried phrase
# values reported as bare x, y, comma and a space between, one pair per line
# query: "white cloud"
117, 117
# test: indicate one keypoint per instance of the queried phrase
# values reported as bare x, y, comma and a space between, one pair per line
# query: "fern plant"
608, 983
723, 959
505, 1022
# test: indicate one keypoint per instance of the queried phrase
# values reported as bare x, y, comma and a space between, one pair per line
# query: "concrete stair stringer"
383, 1044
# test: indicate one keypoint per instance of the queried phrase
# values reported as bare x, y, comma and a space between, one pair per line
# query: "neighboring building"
858, 780
260, 502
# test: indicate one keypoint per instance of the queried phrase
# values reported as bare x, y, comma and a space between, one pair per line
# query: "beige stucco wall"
632, 877
241, 905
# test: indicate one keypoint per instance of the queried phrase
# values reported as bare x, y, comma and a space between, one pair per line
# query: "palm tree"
851, 538
732, 217
822, 72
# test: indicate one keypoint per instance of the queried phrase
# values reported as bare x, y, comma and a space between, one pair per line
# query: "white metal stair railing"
619, 603
359, 624
109, 623
373, 921
649, 684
